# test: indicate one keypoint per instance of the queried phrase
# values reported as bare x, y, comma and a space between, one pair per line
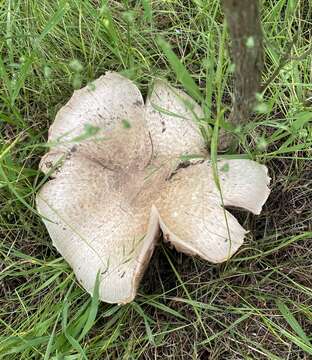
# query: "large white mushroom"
116, 184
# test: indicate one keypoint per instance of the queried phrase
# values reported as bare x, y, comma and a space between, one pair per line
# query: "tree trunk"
244, 26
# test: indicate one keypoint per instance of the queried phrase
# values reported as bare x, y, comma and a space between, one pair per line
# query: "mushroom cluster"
117, 182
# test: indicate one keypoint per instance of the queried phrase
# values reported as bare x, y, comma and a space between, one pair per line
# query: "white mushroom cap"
112, 193
172, 118
191, 208
112, 108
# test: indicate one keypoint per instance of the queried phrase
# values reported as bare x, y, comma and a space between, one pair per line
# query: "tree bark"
244, 26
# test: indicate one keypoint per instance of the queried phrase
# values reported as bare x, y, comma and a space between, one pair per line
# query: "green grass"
257, 305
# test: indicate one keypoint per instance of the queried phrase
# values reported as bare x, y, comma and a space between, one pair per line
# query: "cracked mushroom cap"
114, 188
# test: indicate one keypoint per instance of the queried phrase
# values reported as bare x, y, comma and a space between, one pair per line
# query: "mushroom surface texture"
116, 181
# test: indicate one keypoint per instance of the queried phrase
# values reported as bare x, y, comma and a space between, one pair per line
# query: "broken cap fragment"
113, 192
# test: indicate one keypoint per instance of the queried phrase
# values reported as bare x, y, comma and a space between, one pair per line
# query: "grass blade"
54, 20
52, 336
74, 343
147, 10
92, 310
293, 323
181, 72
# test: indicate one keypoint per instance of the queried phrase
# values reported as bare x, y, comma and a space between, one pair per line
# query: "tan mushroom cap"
112, 192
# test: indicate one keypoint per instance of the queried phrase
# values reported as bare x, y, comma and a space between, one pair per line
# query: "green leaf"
166, 309
74, 343
147, 321
147, 10
4, 76
293, 323
24, 72
214, 153
54, 20
93, 308
16, 346
301, 119
181, 72
51, 338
